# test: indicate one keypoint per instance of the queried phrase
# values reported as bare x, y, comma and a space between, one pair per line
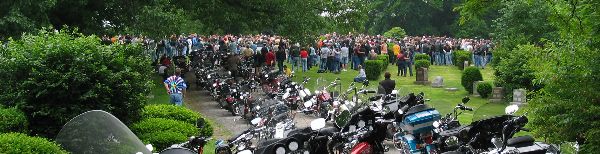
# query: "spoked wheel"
237, 109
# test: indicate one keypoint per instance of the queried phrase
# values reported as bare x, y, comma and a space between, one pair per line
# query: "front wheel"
235, 109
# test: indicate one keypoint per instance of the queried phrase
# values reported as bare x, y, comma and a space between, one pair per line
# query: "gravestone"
466, 64
475, 93
438, 82
422, 77
497, 94
519, 97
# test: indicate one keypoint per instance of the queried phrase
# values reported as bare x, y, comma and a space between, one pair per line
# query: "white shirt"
361, 73
345, 51
161, 69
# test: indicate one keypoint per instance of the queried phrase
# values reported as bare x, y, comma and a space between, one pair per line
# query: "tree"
395, 32
54, 76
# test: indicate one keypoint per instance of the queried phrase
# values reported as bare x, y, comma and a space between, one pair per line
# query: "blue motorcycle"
414, 125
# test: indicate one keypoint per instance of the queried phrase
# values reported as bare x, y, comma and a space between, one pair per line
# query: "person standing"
401, 60
176, 88
280, 56
295, 53
324, 55
396, 49
344, 54
304, 57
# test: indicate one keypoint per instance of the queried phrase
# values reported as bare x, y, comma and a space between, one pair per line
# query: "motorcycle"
415, 120
321, 101
494, 136
311, 139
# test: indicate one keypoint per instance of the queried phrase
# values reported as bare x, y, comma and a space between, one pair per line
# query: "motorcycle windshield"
99, 132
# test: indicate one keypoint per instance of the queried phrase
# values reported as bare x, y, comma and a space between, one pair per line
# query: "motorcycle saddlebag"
420, 122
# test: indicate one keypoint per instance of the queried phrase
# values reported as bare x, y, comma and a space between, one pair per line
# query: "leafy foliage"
422, 57
484, 89
460, 57
20, 143
395, 32
385, 60
422, 63
373, 69
177, 113
513, 72
470, 75
54, 76
163, 132
12, 120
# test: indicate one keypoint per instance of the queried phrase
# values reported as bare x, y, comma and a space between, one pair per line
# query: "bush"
460, 57
484, 89
163, 132
470, 75
395, 32
373, 69
172, 112
386, 61
20, 143
12, 120
163, 139
55, 76
177, 113
422, 56
422, 63
514, 71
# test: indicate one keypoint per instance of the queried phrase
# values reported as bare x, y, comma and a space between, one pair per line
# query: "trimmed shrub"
470, 75
55, 76
422, 56
460, 57
373, 69
422, 63
20, 143
484, 89
163, 132
167, 111
386, 61
12, 120
163, 139
172, 112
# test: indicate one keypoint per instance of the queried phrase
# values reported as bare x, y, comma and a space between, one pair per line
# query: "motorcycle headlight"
234, 90
293, 146
451, 141
266, 75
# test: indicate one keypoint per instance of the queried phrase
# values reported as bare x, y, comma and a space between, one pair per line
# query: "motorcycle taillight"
427, 138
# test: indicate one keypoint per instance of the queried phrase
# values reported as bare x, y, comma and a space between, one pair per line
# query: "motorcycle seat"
521, 140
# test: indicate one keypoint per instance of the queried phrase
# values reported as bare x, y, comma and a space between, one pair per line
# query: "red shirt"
270, 57
303, 54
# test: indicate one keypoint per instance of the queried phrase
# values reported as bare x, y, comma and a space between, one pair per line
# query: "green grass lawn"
158, 94
444, 101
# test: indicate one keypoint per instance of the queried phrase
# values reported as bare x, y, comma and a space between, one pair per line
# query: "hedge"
55, 76
422, 56
178, 113
12, 120
470, 75
484, 89
373, 69
460, 57
386, 61
163, 132
422, 63
13, 143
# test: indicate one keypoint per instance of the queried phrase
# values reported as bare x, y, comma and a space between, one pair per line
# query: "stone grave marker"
466, 64
497, 94
422, 77
519, 97
438, 82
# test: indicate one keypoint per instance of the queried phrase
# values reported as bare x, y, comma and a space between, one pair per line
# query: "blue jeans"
336, 64
176, 99
448, 58
304, 64
295, 61
355, 62
401, 68
477, 60
409, 66
359, 79
323, 65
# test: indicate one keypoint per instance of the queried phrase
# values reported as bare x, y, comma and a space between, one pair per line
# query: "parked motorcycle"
416, 130
493, 135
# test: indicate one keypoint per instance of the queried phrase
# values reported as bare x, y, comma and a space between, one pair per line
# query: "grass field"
444, 101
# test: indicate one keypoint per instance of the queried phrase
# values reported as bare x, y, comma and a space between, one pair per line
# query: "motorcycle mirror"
255, 121
466, 99
511, 109
149, 147
317, 124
